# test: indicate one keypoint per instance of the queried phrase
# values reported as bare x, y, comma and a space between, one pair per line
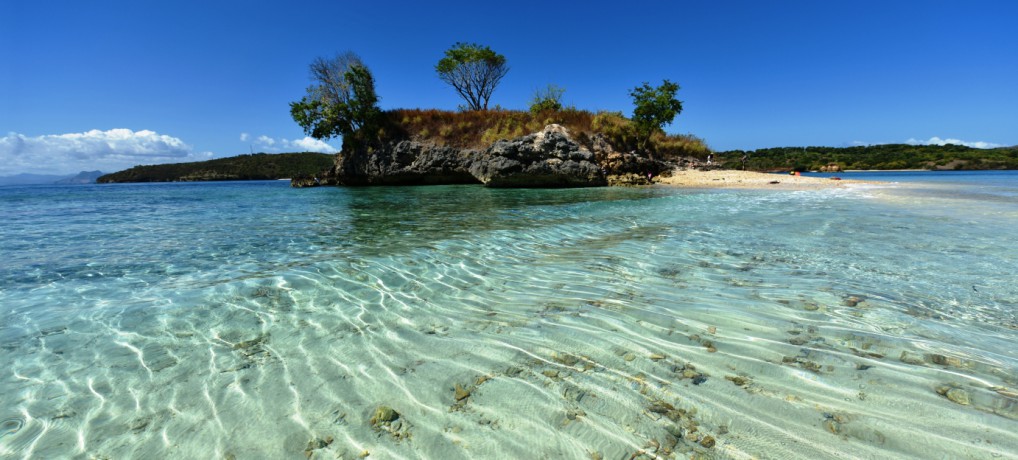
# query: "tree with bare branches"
341, 100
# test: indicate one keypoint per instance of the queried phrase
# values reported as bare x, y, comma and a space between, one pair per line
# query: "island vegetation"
342, 102
258, 166
872, 157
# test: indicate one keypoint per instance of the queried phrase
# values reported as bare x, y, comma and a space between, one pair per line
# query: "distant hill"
258, 166
84, 177
881, 157
30, 179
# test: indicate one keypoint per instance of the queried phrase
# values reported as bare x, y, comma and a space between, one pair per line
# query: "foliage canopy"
473, 71
655, 107
341, 101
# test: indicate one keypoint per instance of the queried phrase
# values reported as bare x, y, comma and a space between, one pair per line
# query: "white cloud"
307, 144
244, 137
938, 141
109, 151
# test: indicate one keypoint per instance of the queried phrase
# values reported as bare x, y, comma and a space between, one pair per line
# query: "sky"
112, 84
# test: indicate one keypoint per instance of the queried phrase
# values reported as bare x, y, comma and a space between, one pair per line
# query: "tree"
341, 101
473, 71
655, 107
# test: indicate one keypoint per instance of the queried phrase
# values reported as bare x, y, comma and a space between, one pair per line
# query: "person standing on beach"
745, 158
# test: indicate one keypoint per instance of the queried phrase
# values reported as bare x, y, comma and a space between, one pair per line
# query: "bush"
547, 100
654, 108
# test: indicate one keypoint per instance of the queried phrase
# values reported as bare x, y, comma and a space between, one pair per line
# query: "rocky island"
549, 145
568, 151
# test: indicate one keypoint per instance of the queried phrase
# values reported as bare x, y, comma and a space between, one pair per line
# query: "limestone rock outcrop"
549, 158
405, 162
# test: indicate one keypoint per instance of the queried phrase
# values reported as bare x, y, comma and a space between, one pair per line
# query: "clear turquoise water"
251, 320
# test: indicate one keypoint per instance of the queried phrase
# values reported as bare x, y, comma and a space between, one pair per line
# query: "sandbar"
730, 178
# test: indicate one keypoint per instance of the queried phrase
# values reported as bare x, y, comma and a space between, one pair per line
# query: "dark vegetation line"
259, 166
879, 157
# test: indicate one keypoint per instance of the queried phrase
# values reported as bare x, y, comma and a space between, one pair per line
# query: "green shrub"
547, 100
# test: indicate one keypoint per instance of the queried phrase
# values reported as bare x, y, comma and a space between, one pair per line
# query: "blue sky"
111, 84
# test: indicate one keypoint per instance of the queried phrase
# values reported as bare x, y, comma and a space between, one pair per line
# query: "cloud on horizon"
108, 151
272, 145
938, 141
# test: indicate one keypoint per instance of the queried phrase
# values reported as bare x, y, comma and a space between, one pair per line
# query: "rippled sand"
462, 322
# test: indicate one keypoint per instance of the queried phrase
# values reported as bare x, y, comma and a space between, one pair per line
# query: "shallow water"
251, 320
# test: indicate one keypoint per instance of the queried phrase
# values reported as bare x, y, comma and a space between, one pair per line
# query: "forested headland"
258, 166
881, 157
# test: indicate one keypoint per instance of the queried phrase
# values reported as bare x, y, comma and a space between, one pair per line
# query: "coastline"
891, 170
730, 178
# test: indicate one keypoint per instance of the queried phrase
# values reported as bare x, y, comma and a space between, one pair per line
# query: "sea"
250, 320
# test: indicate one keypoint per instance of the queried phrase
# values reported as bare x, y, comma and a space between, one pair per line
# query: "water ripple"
484, 323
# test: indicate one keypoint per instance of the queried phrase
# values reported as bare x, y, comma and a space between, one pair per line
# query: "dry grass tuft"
479, 129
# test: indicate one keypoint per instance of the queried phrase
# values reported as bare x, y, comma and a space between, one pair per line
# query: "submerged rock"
386, 420
567, 359
383, 414
316, 444
460, 393
959, 396
909, 358
942, 360
954, 394
738, 380
853, 301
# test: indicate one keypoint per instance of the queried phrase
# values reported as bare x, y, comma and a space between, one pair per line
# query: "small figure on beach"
710, 158
745, 158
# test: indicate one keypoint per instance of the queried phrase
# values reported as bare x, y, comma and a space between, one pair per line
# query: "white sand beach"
747, 179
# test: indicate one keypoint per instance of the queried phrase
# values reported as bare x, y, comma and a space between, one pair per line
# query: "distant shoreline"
889, 170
